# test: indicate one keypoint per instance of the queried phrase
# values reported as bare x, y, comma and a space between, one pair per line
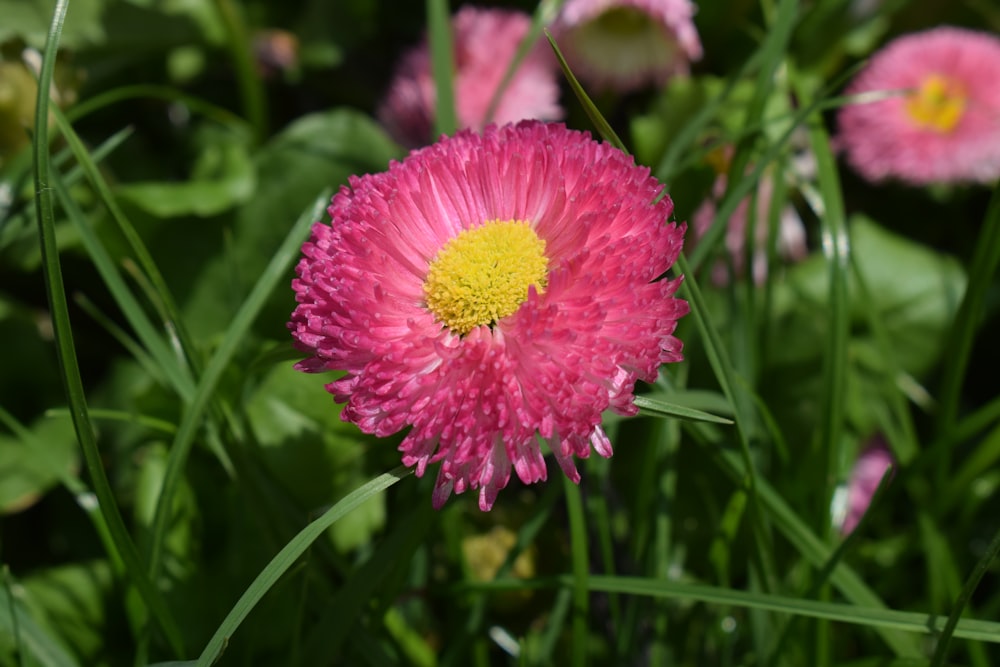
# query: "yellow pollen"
938, 104
483, 274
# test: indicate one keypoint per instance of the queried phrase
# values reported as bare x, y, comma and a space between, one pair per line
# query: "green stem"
252, 97
581, 571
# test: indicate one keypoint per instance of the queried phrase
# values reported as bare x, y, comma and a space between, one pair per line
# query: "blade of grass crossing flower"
63, 332
593, 113
442, 66
944, 639
220, 360
152, 341
172, 317
985, 260
544, 14
285, 558
581, 572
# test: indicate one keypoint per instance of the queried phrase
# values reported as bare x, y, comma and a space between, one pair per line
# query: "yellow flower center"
938, 104
483, 274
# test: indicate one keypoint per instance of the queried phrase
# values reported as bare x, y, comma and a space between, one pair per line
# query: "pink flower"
791, 242
627, 44
939, 120
490, 289
485, 42
864, 480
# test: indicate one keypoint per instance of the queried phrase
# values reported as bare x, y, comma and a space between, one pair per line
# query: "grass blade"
984, 266
287, 556
66, 351
581, 571
442, 66
152, 341
593, 113
657, 408
949, 630
165, 299
205, 390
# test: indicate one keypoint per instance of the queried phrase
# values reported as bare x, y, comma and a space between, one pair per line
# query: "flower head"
627, 44
865, 477
485, 43
489, 291
939, 117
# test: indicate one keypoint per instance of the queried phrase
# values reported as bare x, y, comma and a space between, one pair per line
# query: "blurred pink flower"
864, 480
402, 292
940, 118
627, 44
485, 42
791, 243
275, 51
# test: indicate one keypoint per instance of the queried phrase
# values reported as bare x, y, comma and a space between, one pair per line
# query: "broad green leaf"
29, 21
222, 177
27, 472
914, 290
73, 602
37, 644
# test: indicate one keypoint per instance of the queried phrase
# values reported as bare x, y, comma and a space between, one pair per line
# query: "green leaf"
287, 556
27, 472
30, 21
73, 603
915, 291
222, 177
662, 408
20, 631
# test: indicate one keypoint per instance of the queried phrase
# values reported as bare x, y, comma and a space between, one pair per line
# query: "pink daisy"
791, 243
627, 44
485, 42
864, 480
488, 290
941, 119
